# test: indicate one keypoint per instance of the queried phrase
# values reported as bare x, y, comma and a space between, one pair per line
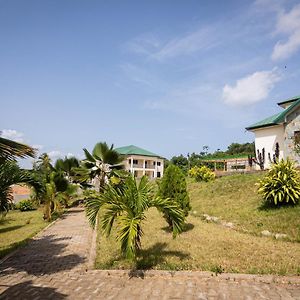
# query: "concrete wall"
267, 138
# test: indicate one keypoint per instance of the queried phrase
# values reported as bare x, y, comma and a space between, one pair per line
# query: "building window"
135, 162
129, 161
154, 163
158, 174
158, 163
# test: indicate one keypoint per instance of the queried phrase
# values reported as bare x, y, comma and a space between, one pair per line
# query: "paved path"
54, 266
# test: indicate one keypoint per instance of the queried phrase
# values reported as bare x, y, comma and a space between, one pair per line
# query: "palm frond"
88, 155
9, 150
172, 209
129, 235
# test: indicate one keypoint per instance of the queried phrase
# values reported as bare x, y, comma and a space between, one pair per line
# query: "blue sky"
168, 76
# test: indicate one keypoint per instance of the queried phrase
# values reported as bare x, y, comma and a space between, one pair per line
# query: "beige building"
279, 130
142, 162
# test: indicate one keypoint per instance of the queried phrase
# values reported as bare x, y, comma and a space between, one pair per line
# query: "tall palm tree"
99, 164
10, 149
126, 206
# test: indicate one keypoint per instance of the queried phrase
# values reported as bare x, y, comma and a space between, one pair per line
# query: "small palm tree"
127, 205
99, 165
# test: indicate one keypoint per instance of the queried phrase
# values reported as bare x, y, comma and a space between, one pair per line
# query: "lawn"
209, 246
17, 227
235, 199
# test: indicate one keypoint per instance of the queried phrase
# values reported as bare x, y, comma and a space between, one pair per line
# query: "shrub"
25, 205
281, 185
202, 173
173, 185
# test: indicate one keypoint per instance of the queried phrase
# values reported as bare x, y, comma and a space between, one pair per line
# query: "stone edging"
268, 279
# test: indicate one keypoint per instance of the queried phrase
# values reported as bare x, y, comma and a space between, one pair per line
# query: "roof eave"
261, 126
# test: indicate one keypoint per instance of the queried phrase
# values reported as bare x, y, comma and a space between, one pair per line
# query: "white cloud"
144, 44
250, 89
288, 23
55, 154
197, 40
13, 135
201, 39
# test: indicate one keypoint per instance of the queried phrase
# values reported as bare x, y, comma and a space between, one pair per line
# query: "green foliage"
126, 206
56, 190
236, 148
180, 161
202, 173
11, 173
281, 185
25, 205
173, 186
98, 165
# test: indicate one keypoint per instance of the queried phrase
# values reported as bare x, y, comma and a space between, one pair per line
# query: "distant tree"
173, 186
180, 161
236, 148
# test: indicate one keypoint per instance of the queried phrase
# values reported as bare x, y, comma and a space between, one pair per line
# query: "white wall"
267, 138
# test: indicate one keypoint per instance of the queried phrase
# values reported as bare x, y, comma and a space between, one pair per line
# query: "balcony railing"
141, 166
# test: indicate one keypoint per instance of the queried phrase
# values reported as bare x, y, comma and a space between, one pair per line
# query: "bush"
281, 185
25, 205
173, 185
202, 173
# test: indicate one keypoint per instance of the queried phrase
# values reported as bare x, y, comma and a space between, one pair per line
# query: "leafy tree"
173, 186
99, 165
181, 162
126, 206
236, 148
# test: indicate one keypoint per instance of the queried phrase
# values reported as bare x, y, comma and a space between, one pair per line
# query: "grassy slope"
17, 227
207, 246
235, 199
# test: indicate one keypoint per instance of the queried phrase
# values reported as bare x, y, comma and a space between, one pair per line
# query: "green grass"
235, 199
209, 246
17, 227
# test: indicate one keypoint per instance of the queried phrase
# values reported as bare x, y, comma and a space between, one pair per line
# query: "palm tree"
10, 149
67, 166
126, 206
99, 165
11, 173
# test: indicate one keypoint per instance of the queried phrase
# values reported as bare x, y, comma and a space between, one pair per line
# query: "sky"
168, 76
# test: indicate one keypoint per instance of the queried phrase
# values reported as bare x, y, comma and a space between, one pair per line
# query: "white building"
281, 128
141, 162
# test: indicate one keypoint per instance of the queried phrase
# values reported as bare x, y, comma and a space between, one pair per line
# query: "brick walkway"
54, 266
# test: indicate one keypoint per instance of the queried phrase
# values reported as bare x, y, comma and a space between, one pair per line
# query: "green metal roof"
275, 119
289, 100
134, 150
